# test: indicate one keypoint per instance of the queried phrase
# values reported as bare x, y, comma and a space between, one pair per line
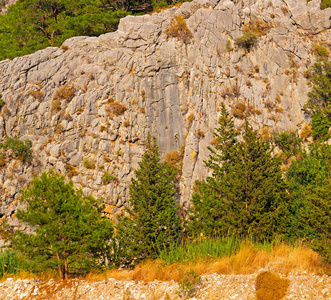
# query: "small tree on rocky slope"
69, 235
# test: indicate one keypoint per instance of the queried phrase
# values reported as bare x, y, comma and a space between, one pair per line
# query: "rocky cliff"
88, 106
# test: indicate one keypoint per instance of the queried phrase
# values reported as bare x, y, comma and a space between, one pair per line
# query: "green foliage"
247, 40
321, 126
321, 51
2, 102
289, 143
31, 25
10, 262
88, 163
108, 178
151, 223
246, 193
317, 214
325, 4
22, 150
69, 233
309, 183
188, 286
319, 103
196, 251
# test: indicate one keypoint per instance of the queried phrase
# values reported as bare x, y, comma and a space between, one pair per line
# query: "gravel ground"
213, 286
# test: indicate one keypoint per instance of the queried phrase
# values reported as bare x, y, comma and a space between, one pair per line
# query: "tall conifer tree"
246, 194
151, 223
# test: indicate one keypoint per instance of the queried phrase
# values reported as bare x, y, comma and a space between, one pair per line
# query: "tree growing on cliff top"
70, 235
151, 223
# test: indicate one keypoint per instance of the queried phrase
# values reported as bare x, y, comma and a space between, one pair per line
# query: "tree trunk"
65, 266
59, 266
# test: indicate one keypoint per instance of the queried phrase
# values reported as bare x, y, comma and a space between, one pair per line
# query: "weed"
190, 120
108, 178
71, 170
37, 94
257, 27
247, 40
199, 134
65, 92
126, 123
265, 134
115, 109
88, 163
239, 109
143, 95
306, 132
80, 110
228, 46
178, 29
189, 285
103, 128
142, 110
175, 159
56, 105
65, 48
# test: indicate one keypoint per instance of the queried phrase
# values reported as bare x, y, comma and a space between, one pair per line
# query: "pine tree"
151, 222
246, 194
70, 235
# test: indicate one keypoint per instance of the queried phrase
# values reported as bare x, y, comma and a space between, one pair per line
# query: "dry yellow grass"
44, 276
283, 259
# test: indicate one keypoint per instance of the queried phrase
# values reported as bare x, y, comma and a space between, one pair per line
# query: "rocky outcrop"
88, 106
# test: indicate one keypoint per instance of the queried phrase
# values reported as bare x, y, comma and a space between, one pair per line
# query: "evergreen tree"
69, 235
309, 182
151, 223
246, 194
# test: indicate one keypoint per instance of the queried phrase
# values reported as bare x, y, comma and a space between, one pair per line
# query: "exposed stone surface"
212, 287
169, 88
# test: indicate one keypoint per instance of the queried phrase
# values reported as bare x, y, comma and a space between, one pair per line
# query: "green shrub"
320, 126
71, 170
88, 163
178, 29
22, 150
108, 178
247, 40
10, 262
189, 285
2, 102
325, 4
321, 51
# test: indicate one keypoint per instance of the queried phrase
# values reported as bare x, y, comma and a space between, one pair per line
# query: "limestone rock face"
88, 106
